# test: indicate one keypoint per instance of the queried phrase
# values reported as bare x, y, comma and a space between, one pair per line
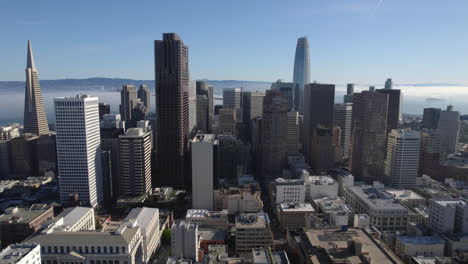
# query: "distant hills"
115, 84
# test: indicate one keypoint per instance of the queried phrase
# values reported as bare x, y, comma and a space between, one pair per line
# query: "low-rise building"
21, 254
17, 223
448, 215
412, 246
238, 200
406, 197
361, 221
185, 240
67, 239
252, 231
338, 246
294, 215
147, 219
320, 186
339, 213
208, 219
210, 237
71, 220
122, 246
384, 212
289, 191
266, 256
456, 244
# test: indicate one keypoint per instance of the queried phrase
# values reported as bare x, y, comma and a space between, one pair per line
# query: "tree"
166, 236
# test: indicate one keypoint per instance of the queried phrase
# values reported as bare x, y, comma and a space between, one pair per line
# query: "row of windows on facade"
83, 249
91, 262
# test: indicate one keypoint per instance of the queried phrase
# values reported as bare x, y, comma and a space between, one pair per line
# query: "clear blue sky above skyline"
360, 41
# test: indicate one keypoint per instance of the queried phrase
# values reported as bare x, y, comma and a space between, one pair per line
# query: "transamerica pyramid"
35, 119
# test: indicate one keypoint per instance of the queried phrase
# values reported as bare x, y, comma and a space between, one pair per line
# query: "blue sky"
360, 41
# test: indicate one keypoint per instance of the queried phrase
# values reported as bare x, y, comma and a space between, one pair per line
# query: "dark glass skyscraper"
369, 133
301, 71
319, 102
35, 119
172, 109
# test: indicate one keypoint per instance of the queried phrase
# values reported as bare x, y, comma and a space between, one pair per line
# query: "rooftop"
135, 132
449, 202
23, 214
297, 207
203, 213
15, 252
375, 198
264, 256
85, 238
68, 218
321, 180
212, 234
142, 216
282, 181
421, 240
332, 239
253, 220
403, 195
208, 138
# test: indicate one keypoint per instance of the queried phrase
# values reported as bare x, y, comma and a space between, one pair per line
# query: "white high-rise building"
79, 149
135, 161
185, 240
202, 171
449, 130
402, 163
292, 140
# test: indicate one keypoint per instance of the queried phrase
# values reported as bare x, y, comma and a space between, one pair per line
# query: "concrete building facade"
79, 149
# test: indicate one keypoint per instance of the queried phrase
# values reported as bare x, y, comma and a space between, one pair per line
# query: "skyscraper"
301, 71
232, 98
104, 109
288, 91
292, 138
79, 149
172, 102
319, 101
449, 130
144, 94
348, 97
203, 164
111, 128
233, 159
402, 163
322, 154
368, 136
135, 162
388, 84
46, 153
35, 119
204, 106
192, 107
132, 109
7, 133
431, 118
252, 107
23, 155
394, 107
274, 132
342, 117
228, 121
